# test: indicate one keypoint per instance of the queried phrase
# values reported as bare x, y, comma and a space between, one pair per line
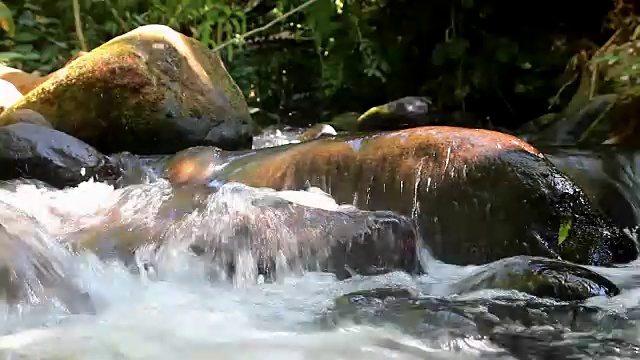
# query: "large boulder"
477, 195
151, 90
37, 152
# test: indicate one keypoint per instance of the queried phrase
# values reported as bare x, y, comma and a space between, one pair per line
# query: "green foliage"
37, 43
565, 228
6, 20
337, 56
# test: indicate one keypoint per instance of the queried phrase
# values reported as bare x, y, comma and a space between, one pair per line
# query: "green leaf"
6, 20
26, 37
23, 48
31, 56
565, 227
9, 56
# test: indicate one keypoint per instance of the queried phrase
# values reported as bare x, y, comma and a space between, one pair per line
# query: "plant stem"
76, 16
264, 27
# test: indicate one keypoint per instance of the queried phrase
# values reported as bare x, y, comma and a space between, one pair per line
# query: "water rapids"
65, 302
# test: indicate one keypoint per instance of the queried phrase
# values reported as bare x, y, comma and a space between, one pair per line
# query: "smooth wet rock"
544, 278
9, 95
477, 195
36, 152
149, 91
33, 267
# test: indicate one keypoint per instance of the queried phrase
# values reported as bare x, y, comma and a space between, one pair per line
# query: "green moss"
135, 92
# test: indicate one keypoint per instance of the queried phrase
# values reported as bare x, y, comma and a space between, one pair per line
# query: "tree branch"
79, 33
264, 27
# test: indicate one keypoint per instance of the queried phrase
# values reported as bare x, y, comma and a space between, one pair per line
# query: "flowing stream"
178, 308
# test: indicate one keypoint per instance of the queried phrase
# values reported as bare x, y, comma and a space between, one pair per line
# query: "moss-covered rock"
478, 195
151, 90
410, 112
540, 277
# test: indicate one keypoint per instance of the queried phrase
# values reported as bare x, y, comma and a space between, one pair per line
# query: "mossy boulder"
546, 278
477, 195
149, 91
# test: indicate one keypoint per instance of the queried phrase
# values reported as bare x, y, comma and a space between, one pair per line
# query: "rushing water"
177, 309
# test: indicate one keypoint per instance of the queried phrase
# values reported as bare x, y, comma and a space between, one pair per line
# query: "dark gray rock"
36, 152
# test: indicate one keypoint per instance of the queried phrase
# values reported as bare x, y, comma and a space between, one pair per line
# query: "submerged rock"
241, 230
539, 277
35, 152
528, 328
477, 195
32, 267
149, 91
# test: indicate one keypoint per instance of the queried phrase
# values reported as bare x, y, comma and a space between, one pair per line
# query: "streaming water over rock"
146, 271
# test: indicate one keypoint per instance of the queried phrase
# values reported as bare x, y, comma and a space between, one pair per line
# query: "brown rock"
478, 195
23, 81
